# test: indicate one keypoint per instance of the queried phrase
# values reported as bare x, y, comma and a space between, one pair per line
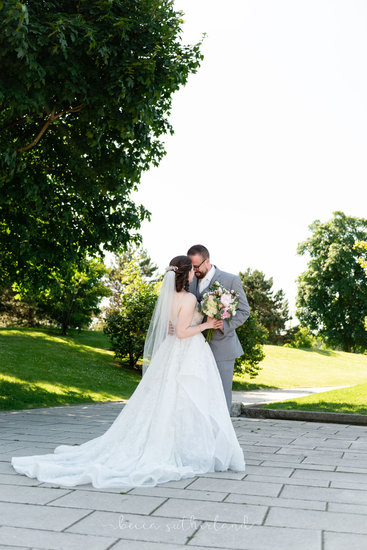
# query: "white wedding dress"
175, 425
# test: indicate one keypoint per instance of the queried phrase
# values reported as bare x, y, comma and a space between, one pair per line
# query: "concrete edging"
314, 416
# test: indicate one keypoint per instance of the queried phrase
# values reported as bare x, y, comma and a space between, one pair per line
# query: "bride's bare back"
183, 309
183, 302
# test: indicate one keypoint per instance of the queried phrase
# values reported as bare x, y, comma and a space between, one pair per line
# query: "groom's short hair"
198, 249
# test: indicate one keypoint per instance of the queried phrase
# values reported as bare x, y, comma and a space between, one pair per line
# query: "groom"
225, 344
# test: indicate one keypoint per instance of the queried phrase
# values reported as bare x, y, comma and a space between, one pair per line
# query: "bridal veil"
158, 329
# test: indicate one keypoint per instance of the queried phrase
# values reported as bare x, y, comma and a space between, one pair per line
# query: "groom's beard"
201, 275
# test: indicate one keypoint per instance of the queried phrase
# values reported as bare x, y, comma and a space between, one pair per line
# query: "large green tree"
69, 299
332, 292
271, 307
361, 247
85, 96
74, 295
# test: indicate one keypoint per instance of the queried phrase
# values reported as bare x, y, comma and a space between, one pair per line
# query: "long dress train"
175, 425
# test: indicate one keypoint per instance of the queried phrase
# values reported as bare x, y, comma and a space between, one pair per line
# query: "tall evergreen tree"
271, 307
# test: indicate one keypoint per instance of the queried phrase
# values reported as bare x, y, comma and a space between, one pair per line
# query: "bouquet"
219, 303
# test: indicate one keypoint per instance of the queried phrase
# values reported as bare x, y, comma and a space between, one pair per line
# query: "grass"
292, 368
40, 368
346, 400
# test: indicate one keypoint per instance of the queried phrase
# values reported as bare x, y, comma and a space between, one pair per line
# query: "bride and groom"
177, 422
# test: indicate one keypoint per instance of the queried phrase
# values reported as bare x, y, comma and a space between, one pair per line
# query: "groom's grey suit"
225, 344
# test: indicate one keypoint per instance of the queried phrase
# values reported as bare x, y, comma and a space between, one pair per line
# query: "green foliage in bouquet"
219, 303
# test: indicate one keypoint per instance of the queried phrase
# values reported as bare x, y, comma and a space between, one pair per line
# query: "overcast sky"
270, 134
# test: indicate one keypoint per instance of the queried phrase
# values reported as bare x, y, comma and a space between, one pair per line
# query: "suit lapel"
197, 291
215, 278
194, 287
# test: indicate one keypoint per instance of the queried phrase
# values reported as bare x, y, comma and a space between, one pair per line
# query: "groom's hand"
220, 325
171, 329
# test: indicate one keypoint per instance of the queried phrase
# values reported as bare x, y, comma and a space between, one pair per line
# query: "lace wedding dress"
175, 425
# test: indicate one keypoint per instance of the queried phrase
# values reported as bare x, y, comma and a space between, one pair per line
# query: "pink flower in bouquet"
219, 303
225, 314
226, 299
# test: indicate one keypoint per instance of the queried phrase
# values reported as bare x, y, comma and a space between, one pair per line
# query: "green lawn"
40, 368
346, 400
291, 368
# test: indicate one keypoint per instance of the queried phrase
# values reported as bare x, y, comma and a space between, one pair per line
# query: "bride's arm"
185, 314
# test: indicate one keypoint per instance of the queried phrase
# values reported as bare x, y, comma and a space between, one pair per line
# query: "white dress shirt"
205, 281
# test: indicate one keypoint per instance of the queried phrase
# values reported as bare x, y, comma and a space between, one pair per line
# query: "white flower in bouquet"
219, 303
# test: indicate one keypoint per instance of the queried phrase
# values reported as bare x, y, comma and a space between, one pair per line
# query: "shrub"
252, 336
127, 325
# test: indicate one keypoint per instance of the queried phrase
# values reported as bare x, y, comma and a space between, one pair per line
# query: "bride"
175, 425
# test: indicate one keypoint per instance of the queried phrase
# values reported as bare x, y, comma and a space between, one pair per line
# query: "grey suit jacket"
225, 344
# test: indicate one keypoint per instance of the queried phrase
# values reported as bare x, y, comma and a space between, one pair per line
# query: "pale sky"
270, 134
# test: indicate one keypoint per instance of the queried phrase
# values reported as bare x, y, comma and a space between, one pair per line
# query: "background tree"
18, 312
332, 292
147, 267
85, 91
252, 336
127, 324
271, 308
361, 247
118, 278
71, 296
300, 337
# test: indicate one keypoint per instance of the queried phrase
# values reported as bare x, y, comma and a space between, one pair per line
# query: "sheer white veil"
159, 323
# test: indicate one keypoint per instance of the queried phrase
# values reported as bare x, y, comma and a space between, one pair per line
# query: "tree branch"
52, 117
15, 122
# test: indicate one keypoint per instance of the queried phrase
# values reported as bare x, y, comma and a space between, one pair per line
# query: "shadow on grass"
75, 371
250, 386
15, 396
321, 406
94, 339
325, 352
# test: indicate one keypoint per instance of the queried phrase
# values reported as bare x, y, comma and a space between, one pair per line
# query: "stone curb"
314, 416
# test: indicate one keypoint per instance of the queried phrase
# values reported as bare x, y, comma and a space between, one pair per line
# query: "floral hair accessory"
171, 268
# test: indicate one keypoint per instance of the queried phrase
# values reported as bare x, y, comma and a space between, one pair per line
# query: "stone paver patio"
305, 488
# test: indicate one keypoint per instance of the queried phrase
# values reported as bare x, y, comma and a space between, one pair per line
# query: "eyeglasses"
197, 266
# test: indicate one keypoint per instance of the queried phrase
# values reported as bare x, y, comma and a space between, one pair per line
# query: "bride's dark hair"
184, 265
